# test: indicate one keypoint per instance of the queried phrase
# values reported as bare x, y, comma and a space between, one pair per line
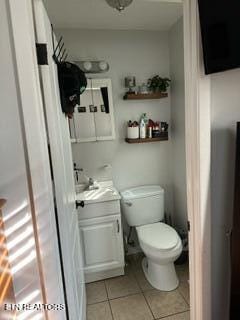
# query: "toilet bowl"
162, 246
143, 208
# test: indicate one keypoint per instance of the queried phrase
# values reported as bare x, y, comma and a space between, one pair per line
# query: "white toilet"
143, 208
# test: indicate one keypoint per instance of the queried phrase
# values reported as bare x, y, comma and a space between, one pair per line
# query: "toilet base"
161, 277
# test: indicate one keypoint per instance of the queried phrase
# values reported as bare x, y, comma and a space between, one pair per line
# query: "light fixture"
120, 5
103, 66
87, 65
98, 66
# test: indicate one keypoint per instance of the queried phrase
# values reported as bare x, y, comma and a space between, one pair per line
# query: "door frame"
198, 164
198, 143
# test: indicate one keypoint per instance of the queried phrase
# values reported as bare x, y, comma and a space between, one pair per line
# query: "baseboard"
101, 275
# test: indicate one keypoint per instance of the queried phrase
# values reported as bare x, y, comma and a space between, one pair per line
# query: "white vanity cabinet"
101, 234
93, 120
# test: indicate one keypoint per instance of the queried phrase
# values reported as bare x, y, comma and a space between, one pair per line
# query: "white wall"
178, 124
225, 113
138, 53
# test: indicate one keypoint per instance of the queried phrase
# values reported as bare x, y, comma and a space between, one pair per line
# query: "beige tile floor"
131, 297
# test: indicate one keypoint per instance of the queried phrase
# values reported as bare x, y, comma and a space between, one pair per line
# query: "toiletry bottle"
149, 132
143, 126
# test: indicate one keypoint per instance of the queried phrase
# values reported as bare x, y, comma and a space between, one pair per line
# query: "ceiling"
96, 14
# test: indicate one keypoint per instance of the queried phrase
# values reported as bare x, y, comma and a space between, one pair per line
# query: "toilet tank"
143, 205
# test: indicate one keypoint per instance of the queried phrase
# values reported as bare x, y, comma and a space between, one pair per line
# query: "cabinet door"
103, 243
103, 101
93, 120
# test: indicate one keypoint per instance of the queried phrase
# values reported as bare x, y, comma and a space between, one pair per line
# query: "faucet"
90, 181
91, 186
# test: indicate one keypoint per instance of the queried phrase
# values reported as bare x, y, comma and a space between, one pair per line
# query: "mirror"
93, 120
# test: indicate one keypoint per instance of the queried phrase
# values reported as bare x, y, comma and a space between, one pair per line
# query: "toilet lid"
158, 235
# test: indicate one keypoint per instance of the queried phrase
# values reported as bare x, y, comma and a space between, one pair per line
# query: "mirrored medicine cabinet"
93, 120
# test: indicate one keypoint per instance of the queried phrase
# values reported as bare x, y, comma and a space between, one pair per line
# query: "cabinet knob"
118, 226
80, 204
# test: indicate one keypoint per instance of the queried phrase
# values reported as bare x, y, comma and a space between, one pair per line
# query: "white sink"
105, 192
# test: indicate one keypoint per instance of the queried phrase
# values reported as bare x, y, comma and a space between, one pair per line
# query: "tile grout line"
144, 295
142, 292
185, 311
182, 281
96, 302
170, 315
148, 305
133, 272
188, 303
91, 304
108, 300
135, 276
128, 295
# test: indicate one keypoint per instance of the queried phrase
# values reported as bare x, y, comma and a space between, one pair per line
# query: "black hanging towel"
104, 91
72, 80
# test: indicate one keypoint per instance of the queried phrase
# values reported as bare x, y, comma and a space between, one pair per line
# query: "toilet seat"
158, 236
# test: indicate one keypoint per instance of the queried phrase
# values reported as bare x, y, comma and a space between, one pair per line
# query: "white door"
102, 240
25, 181
62, 164
14, 180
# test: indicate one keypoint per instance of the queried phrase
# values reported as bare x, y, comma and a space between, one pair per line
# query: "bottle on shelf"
143, 126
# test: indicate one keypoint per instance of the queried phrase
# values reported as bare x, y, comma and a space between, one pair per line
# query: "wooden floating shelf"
145, 96
147, 140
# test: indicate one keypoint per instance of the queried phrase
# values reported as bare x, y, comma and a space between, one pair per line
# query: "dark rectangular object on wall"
235, 239
220, 28
104, 91
42, 54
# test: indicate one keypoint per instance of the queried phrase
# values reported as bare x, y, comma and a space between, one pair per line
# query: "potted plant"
158, 84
